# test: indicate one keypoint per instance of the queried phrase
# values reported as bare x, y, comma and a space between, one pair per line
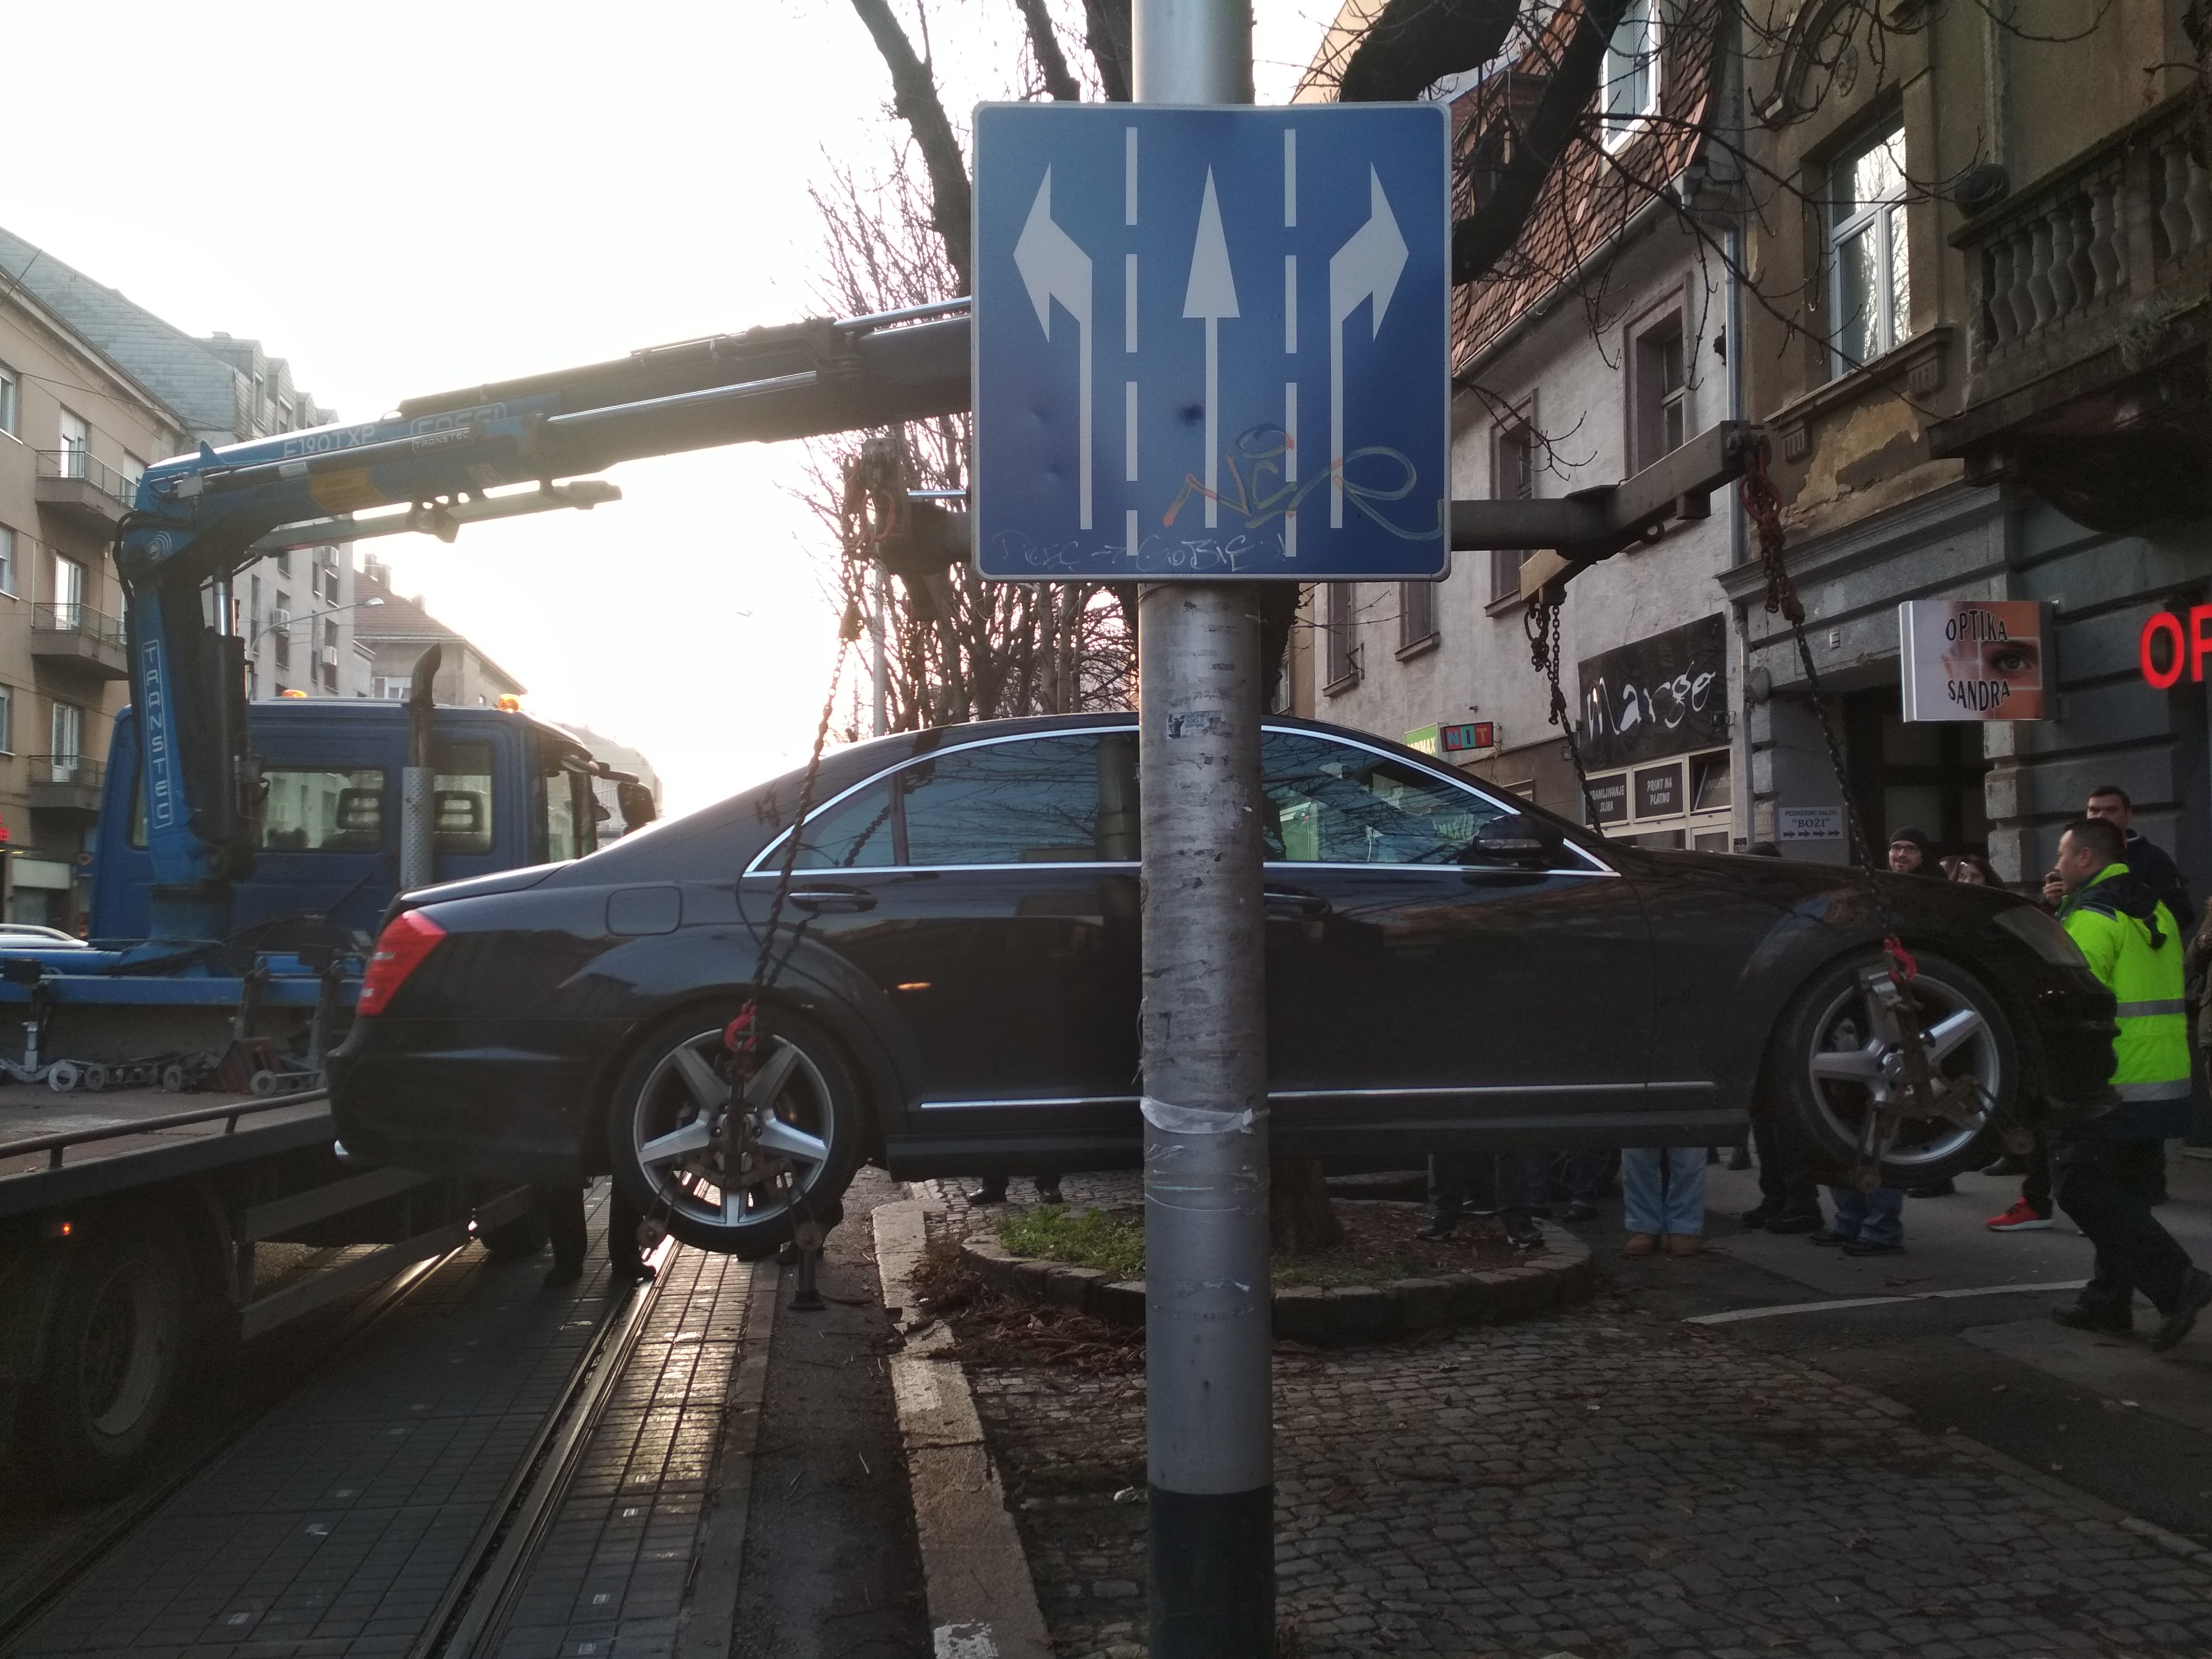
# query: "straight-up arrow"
1366, 266
1212, 295
1054, 268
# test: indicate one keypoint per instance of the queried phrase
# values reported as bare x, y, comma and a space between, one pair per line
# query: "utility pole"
1210, 1576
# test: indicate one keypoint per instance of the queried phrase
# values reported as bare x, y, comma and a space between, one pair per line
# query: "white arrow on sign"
1367, 266
1054, 268
1212, 296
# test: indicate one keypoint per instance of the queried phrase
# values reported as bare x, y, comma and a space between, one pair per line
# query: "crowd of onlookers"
2123, 902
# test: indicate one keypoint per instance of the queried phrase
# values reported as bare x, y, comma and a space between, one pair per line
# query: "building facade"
76, 429
392, 634
1600, 345
1994, 390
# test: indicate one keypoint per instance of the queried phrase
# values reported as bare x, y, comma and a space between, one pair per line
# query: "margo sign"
2166, 649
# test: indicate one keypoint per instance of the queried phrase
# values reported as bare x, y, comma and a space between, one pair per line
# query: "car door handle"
833, 898
1289, 903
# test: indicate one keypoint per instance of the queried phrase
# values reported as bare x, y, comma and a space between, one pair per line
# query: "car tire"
113, 1362
1824, 1068
660, 1149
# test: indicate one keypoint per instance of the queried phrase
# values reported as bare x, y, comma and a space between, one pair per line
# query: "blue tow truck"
247, 852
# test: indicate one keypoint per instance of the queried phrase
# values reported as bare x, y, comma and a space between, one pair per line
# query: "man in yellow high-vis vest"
2104, 1170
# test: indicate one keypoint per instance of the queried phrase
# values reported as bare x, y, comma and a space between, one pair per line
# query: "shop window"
1710, 781
1340, 638
1869, 275
1659, 395
1416, 614
1512, 478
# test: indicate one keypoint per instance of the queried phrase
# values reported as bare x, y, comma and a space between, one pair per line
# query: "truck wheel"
1828, 1068
62, 1076
111, 1364
799, 1144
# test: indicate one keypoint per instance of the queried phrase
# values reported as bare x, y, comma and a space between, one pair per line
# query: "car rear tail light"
411, 937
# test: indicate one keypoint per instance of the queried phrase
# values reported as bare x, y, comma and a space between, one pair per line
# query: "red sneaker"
2022, 1218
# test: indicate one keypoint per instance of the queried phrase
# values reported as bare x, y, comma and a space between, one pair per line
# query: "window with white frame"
1512, 478
68, 592
1341, 668
7, 719
1658, 393
76, 440
7, 560
11, 394
68, 740
1631, 88
1870, 285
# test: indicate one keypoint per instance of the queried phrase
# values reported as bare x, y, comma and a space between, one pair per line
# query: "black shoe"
991, 1192
1757, 1216
1578, 1212
632, 1272
1868, 1247
1048, 1192
1527, 1236
564, 1273
1943, 1188
1830, 1235
2105, 1322
2009, 1165
1435, 1232
2195, 1296
1808, 1222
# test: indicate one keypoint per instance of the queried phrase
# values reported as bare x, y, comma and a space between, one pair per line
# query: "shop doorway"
1926, 775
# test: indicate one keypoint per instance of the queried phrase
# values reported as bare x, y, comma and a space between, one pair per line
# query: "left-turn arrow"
1054, 268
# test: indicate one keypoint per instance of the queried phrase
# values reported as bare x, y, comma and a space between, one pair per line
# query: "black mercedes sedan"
954, 983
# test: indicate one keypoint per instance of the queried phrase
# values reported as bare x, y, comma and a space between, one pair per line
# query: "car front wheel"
1836, 1063
731, 1170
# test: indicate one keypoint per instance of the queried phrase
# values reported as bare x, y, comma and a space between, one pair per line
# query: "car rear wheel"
731, 1172
1835, 1062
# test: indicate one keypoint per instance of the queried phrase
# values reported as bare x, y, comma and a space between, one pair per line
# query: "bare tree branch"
1044, 42
1106, 32
916, 101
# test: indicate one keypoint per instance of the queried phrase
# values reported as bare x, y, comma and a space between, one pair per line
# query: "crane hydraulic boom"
200, 519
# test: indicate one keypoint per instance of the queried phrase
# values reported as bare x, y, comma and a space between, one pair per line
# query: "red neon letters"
2182, 650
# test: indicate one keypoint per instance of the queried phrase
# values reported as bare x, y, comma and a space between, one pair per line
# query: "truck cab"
508, 791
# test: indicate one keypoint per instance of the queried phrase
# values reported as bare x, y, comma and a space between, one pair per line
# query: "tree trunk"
1301, 1216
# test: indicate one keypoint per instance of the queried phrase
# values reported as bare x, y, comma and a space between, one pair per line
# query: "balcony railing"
72, 769
2059, 267
79, 619
75, 464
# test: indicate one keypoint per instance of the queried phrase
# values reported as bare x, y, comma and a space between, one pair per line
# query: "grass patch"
1082, 1238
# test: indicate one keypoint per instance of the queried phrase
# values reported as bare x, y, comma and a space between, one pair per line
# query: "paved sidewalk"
1608, 1484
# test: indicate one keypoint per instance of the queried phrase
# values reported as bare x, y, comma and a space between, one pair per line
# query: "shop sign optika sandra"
1972, 659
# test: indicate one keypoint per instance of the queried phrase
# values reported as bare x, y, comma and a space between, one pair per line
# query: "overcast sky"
407, 197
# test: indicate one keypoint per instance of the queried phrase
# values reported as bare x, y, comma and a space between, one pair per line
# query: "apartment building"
1993, 394
1602, 343
77, 428
393, 633
296, 609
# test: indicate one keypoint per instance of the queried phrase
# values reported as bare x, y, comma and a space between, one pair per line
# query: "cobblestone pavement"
1603, 1484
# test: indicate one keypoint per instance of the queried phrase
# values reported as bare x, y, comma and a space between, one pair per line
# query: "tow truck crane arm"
198, 520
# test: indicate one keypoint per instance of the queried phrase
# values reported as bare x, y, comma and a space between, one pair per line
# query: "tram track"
34, 1583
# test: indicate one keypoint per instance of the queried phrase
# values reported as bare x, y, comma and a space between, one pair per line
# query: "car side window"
1330, 802
1039, 800
856, 833
307, 810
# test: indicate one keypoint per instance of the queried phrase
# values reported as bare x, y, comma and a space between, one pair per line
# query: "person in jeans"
1663, 1197
1866, 1223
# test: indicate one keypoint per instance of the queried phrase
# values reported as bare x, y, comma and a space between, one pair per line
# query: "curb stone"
1313, 1314
982, 1604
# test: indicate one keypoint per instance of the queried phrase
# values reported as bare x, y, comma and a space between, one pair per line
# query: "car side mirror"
1514, 838
638, 808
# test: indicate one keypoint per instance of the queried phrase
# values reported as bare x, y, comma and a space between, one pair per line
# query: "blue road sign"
1212, 344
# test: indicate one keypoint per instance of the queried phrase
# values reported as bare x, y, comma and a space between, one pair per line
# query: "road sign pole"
1210, 1575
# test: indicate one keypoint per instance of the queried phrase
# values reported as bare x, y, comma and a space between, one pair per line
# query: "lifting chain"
1919, 1090
1541, 622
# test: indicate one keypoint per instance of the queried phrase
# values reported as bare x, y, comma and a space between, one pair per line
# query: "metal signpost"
1210, 344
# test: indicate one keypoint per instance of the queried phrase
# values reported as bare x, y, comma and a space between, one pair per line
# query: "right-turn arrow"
1367, 266
1054, 268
